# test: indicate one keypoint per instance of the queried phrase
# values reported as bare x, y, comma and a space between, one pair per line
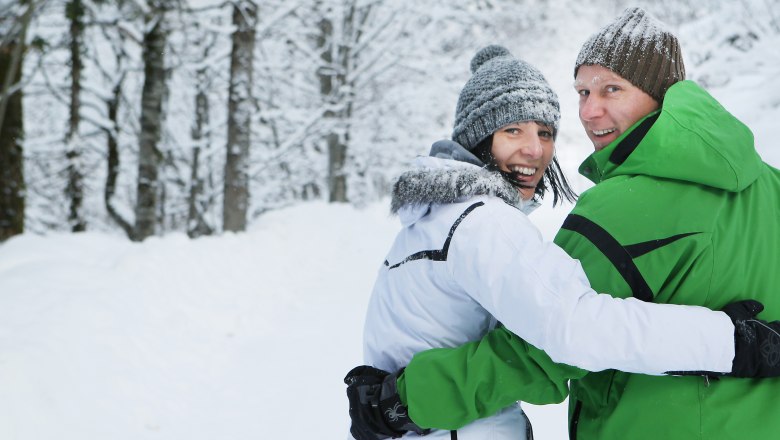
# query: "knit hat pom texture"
486, 54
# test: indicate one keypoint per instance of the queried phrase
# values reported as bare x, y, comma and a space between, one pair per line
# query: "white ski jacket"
467, 256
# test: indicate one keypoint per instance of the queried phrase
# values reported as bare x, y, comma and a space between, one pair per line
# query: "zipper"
575, 420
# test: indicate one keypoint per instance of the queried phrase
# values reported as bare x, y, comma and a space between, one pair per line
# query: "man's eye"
583, 92
612, 89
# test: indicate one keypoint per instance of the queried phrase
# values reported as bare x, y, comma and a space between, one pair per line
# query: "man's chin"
600, 144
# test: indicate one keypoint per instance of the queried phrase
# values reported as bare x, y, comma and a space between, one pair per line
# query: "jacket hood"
441, 181
692, 138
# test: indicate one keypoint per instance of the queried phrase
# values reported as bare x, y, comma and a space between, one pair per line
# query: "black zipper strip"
575, 420
629, 144
614, 251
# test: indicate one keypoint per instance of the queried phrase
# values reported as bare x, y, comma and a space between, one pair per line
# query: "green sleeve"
447, 388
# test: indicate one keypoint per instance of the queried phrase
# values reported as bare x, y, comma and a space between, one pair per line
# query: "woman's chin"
526, 193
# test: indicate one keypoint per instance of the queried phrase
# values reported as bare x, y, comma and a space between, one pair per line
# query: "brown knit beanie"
637, 47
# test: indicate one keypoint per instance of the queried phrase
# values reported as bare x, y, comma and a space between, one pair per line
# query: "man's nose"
591, 108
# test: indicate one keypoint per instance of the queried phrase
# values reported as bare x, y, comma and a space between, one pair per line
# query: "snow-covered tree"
14, 23
241, 105
153, 100
74, 191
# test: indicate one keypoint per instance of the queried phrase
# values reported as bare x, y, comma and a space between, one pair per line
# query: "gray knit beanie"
637, 47
502, 90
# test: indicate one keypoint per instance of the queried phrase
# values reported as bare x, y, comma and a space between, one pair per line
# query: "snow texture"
446, 185
642, 29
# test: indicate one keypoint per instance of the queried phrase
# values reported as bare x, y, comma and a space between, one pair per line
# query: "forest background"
146, 117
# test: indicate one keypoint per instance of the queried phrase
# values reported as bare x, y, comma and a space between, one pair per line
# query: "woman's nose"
533, 147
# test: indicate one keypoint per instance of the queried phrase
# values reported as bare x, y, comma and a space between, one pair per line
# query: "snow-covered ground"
234, 337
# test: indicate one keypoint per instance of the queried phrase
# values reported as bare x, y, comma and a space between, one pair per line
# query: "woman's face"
524, 149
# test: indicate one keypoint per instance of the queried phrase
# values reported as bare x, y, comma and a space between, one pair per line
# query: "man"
684, 211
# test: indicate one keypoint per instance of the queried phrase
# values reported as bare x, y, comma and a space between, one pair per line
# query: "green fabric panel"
448, 388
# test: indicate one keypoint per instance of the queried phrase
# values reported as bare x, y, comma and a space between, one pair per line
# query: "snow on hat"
502, 90
637, 47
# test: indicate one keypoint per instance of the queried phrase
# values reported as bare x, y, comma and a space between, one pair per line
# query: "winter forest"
151, 116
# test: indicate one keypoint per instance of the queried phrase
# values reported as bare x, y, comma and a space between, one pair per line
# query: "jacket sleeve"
542, 295
449, 388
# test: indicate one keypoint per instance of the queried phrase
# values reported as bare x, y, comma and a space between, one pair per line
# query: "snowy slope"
236, 337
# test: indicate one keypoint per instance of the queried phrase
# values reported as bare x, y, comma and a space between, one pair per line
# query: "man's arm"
448, 388
542, 295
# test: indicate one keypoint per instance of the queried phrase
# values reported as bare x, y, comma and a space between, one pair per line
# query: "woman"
467, 258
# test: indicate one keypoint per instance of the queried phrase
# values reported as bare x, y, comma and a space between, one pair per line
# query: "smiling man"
684, 211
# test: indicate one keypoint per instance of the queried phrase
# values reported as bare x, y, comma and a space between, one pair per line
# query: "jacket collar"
691, 138
441, 181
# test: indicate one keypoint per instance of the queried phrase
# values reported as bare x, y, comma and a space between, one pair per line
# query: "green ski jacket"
684, 211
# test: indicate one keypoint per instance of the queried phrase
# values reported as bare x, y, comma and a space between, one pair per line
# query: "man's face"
609, 104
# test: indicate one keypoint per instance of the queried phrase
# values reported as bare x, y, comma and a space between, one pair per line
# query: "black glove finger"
770, 346
361, 433
365, 412
365, 374
741, 310
757, 349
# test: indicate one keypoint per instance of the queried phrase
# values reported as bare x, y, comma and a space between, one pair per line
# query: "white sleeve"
542, 295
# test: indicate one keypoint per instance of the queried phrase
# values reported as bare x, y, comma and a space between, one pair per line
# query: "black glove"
756, 342
375, 406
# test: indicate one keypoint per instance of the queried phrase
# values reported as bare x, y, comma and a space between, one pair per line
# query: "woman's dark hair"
553, 180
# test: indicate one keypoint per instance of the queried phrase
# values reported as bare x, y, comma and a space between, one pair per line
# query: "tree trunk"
337, 157
241, 105
74, 191
11, 160
337, 90
196, 224
329, 89
12, 133
113, 160
152, 100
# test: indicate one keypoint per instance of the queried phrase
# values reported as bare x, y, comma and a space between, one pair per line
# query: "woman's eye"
545, 134
512, 130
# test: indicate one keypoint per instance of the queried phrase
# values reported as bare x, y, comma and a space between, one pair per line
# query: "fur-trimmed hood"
441, 181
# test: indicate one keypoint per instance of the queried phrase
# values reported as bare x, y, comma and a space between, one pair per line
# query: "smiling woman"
456, 209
